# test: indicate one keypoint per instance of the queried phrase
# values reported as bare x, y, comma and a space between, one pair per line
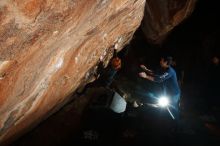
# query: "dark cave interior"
192, 43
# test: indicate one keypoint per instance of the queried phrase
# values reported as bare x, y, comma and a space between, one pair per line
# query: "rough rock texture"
49, 47
161, 16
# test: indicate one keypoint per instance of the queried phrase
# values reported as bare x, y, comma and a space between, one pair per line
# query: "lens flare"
163, 101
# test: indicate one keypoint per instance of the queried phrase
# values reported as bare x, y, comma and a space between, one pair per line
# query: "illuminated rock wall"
47, 49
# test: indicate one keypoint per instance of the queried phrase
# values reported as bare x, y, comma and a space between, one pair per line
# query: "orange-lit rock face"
161, 16
47, 48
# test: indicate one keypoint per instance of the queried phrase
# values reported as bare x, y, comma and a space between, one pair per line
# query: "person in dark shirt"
106, 76
115, 66
166, 76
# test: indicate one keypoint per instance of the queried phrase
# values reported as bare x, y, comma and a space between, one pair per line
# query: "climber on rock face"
107, 75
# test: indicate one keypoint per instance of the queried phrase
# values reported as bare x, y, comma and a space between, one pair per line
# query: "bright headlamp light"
163, 101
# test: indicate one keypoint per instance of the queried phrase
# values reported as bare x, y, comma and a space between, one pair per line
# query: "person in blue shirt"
166, 76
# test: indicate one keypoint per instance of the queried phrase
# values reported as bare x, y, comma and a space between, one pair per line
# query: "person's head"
215, 60
116, 63
165, 62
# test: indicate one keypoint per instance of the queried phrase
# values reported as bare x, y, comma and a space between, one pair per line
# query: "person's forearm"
146, 69
147, 77
150, 78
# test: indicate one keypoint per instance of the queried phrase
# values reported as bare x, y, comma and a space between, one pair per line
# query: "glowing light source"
163, 101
